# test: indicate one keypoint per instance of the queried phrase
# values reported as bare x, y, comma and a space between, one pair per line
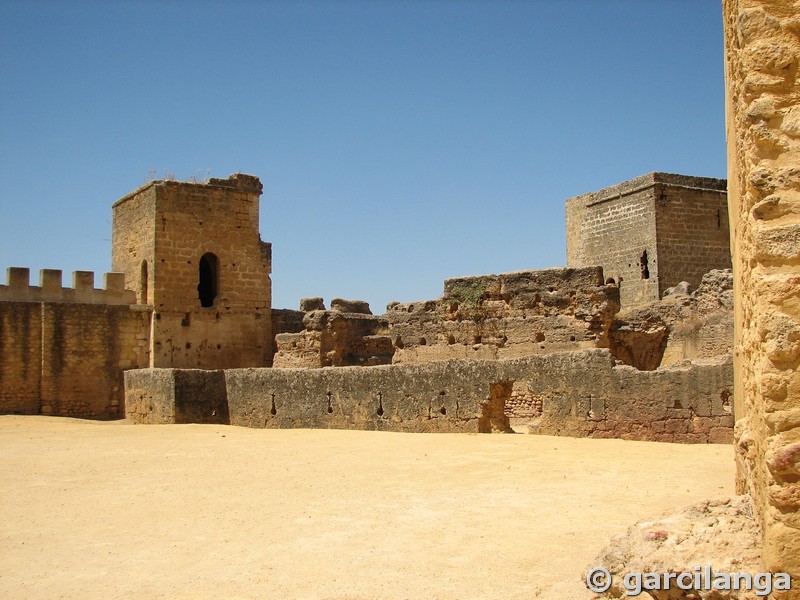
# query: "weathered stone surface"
286, 321
506, 315
574, 393
681, 326
66, 358
762, 51
682, 289
351, 306
720, 533
332, 338
639, 338
308, 304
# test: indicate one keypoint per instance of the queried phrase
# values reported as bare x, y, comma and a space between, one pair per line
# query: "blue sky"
399, 143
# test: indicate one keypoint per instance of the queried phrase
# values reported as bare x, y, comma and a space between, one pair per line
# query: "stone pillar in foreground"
762, 55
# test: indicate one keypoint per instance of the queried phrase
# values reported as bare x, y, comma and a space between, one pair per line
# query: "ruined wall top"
250, 184
522, 282
646, 181
50, 289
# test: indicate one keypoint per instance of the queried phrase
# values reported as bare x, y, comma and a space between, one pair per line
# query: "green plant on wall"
469, 296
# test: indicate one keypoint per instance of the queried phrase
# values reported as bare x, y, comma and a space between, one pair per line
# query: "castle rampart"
63, 350
506, 315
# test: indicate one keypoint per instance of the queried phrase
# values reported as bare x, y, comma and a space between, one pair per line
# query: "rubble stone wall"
577, 393
505, 316
347, 335
762, 57
685, 324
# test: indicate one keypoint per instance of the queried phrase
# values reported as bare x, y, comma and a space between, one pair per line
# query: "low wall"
578, 394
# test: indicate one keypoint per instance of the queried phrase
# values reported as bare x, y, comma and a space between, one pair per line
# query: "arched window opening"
143, 284
208, 285
645, 267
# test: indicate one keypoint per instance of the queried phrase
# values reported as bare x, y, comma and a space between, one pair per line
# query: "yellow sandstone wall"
762, 54
63, 350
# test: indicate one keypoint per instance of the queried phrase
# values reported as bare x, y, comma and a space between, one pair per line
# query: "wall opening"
208, 285
644, 266
493, 417
143, 283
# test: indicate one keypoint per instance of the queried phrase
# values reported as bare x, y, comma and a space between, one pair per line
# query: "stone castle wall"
63, 350
650, 233
692, 229
505, 316
762, 58
612, 228
578, 393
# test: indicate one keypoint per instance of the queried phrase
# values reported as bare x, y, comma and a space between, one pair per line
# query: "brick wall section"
67, 359
578, 393
612, 228
172, 225
63, 350
20, 357
672, 218
692, 230
85, 349
762, 62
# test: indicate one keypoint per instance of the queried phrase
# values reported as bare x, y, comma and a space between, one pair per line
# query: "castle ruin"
191, 337
64, 350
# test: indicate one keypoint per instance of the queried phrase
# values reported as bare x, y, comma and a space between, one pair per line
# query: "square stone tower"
193, 252
651, 233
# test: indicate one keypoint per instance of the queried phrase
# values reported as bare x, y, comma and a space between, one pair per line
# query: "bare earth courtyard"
112, 510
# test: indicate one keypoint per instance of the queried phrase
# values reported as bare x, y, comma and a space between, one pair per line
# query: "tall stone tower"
651, 233
193, 252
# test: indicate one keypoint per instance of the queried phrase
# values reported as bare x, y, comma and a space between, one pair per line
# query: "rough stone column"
762, 54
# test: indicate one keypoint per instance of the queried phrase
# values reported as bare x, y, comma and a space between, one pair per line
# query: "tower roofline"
650, 180
241, 181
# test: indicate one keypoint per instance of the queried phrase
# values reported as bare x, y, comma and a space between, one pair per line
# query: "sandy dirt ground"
96, 510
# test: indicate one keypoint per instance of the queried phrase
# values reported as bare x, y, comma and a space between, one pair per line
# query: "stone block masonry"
580, 393
762, 64
50, 289
651, 233
63, 350
193, 252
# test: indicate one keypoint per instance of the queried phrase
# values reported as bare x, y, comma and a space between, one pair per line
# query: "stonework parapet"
50, 289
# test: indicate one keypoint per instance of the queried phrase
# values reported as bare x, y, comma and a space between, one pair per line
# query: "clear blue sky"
399, 143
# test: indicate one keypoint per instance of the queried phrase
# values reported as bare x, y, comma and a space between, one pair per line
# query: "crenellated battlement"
50, 289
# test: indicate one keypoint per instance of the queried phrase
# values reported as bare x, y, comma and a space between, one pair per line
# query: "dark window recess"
143, 284
643, 264
209, 280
